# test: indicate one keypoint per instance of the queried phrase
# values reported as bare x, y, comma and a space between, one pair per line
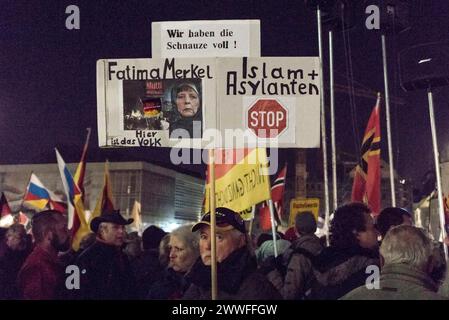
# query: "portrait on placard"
167, 104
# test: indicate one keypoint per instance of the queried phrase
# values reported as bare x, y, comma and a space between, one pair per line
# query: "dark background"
48, 76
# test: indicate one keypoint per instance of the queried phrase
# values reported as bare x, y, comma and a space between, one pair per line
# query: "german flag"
366, 186
5, 209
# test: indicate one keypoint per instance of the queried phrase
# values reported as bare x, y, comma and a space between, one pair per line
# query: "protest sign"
298, 206
273, 100
200, 39
143, 102
232, 102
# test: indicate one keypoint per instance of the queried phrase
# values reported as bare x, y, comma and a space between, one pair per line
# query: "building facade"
168, 198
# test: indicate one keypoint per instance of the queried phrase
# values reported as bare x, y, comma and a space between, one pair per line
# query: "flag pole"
250, 227
251, 222
273, 227
437, 171
387, 113
212, 225
323, 126
333, 145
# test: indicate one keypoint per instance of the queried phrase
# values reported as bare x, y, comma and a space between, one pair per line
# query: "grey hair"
164, 251
185, 234
408, 245
237, 235
102, 227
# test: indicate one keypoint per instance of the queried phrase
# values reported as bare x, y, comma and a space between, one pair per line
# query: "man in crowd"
237, 276
42, 275
299, 275
390, 217
18, 247
147, 268
341, 267
106, 272
406, 258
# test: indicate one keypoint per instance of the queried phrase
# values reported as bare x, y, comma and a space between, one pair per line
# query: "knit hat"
151, 237
267, 249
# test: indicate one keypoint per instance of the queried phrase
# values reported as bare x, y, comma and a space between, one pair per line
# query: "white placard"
292, 82
140, 102
200, 39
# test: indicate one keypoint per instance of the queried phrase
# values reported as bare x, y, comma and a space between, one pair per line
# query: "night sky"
48, 80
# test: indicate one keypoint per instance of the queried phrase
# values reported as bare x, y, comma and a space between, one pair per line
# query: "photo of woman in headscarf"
186, 97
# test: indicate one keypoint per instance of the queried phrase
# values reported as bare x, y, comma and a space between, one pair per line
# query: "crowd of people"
114, 264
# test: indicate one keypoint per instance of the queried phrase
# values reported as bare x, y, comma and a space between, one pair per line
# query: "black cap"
225, 219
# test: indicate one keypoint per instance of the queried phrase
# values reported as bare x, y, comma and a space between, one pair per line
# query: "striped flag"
106, 201
277, 193
81, 168
366, 186
6, 217
75, 203
277, 196
5, 209
241, 178
39, 197
79, 181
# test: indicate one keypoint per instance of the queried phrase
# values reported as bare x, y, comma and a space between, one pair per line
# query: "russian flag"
37, 194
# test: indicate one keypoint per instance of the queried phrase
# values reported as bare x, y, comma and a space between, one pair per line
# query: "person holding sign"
237, 277
188, 115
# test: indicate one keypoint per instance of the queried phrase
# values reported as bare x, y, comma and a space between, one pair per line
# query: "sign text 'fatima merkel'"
168, 71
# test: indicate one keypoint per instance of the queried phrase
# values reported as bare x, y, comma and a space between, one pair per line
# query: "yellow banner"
297, 206
248, 214
241, 185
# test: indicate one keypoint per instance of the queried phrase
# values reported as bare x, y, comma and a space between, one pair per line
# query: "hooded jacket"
338, 271
299, 275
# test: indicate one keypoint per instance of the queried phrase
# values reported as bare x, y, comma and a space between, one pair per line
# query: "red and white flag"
277, 193
277, 196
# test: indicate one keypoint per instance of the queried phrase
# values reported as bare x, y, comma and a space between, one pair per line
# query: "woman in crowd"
184, 251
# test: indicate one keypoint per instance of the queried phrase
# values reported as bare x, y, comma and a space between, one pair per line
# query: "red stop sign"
267, 118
